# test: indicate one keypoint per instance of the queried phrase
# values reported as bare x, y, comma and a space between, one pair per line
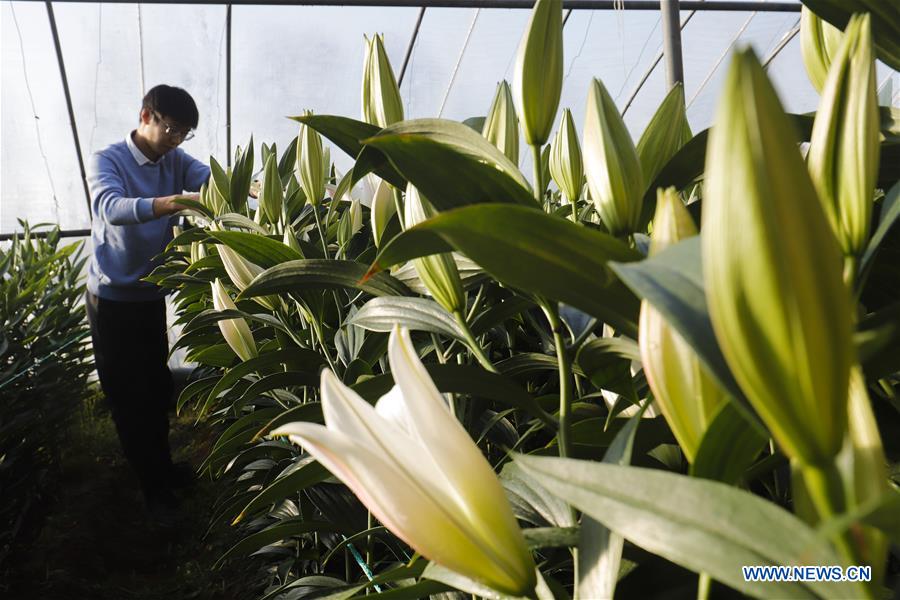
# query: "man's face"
161, 132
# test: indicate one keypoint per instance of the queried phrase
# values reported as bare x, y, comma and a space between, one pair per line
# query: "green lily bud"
381, 104
438, 272
235, 331
501, 127
772, 271
290, 239
383, 208
539, 71
271, 200
666, 133
687, 396
311, 163
819, 42
566, 167
611, 164
844, 148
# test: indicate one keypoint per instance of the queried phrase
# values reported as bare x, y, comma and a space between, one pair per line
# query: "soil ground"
89, 537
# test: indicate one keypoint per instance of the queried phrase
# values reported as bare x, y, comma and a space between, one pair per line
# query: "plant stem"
850, 268
565, 378
321, 232
472, 343
538, 175
703, 585
574, 210
826, 491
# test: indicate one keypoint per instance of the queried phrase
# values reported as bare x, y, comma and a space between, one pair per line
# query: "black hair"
174, 103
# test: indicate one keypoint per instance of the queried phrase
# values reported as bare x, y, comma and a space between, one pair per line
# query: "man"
135, 186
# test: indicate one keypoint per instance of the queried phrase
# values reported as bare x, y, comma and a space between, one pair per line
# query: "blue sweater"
126, 236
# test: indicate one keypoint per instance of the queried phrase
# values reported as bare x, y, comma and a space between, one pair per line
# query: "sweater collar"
139, 157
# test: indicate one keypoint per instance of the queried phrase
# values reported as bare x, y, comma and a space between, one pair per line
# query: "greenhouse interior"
503, 299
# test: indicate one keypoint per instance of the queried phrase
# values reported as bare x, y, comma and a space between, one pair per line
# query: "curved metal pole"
649, 71
65, 82
412, 42
781, 45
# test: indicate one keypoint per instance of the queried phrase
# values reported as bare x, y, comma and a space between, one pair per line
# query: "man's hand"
168, 205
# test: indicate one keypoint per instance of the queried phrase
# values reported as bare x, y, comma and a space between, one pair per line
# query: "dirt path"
89, 538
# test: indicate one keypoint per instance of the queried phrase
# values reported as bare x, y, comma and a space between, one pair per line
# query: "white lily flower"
417, 470
235, 331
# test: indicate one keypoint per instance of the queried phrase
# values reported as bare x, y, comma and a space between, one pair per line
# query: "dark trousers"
130, 351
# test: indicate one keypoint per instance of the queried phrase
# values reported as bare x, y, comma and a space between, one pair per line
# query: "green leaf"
599, 549
417, 314
464, 379
258, 249
531, 501
347, 134
300, 275
672, 282
699, 524
302, 474
551, 537
499, 313
890, 215
311, 412
880, 512
471, 169
280, 531
277, 381
442, 574
296, 357
728, 447
532, 251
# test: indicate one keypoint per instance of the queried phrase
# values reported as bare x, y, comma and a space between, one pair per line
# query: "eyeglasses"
174, 132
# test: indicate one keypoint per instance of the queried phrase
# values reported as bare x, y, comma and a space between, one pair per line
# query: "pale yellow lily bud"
611, 164
355, 217
438, 272
664, 136
501, 126
271, 200
311, 163
414, 466
539, 71
198, 251
819, 42
566, 167
235, 331
772, 271
381, 103
242, 272
687, 396
383, 208
844, 147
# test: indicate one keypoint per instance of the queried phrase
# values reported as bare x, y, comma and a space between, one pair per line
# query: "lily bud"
539, 71
566, 167
438, 272
290, 239
383, 208
271, 200
611, 164
844, 148
501, 127
667, 132
417, 470
687, 396
381, 103
311, 163
198, 251
819, 42
235, 331
772, 271
242, 272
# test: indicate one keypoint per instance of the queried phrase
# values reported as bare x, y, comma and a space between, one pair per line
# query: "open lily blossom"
417, 470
